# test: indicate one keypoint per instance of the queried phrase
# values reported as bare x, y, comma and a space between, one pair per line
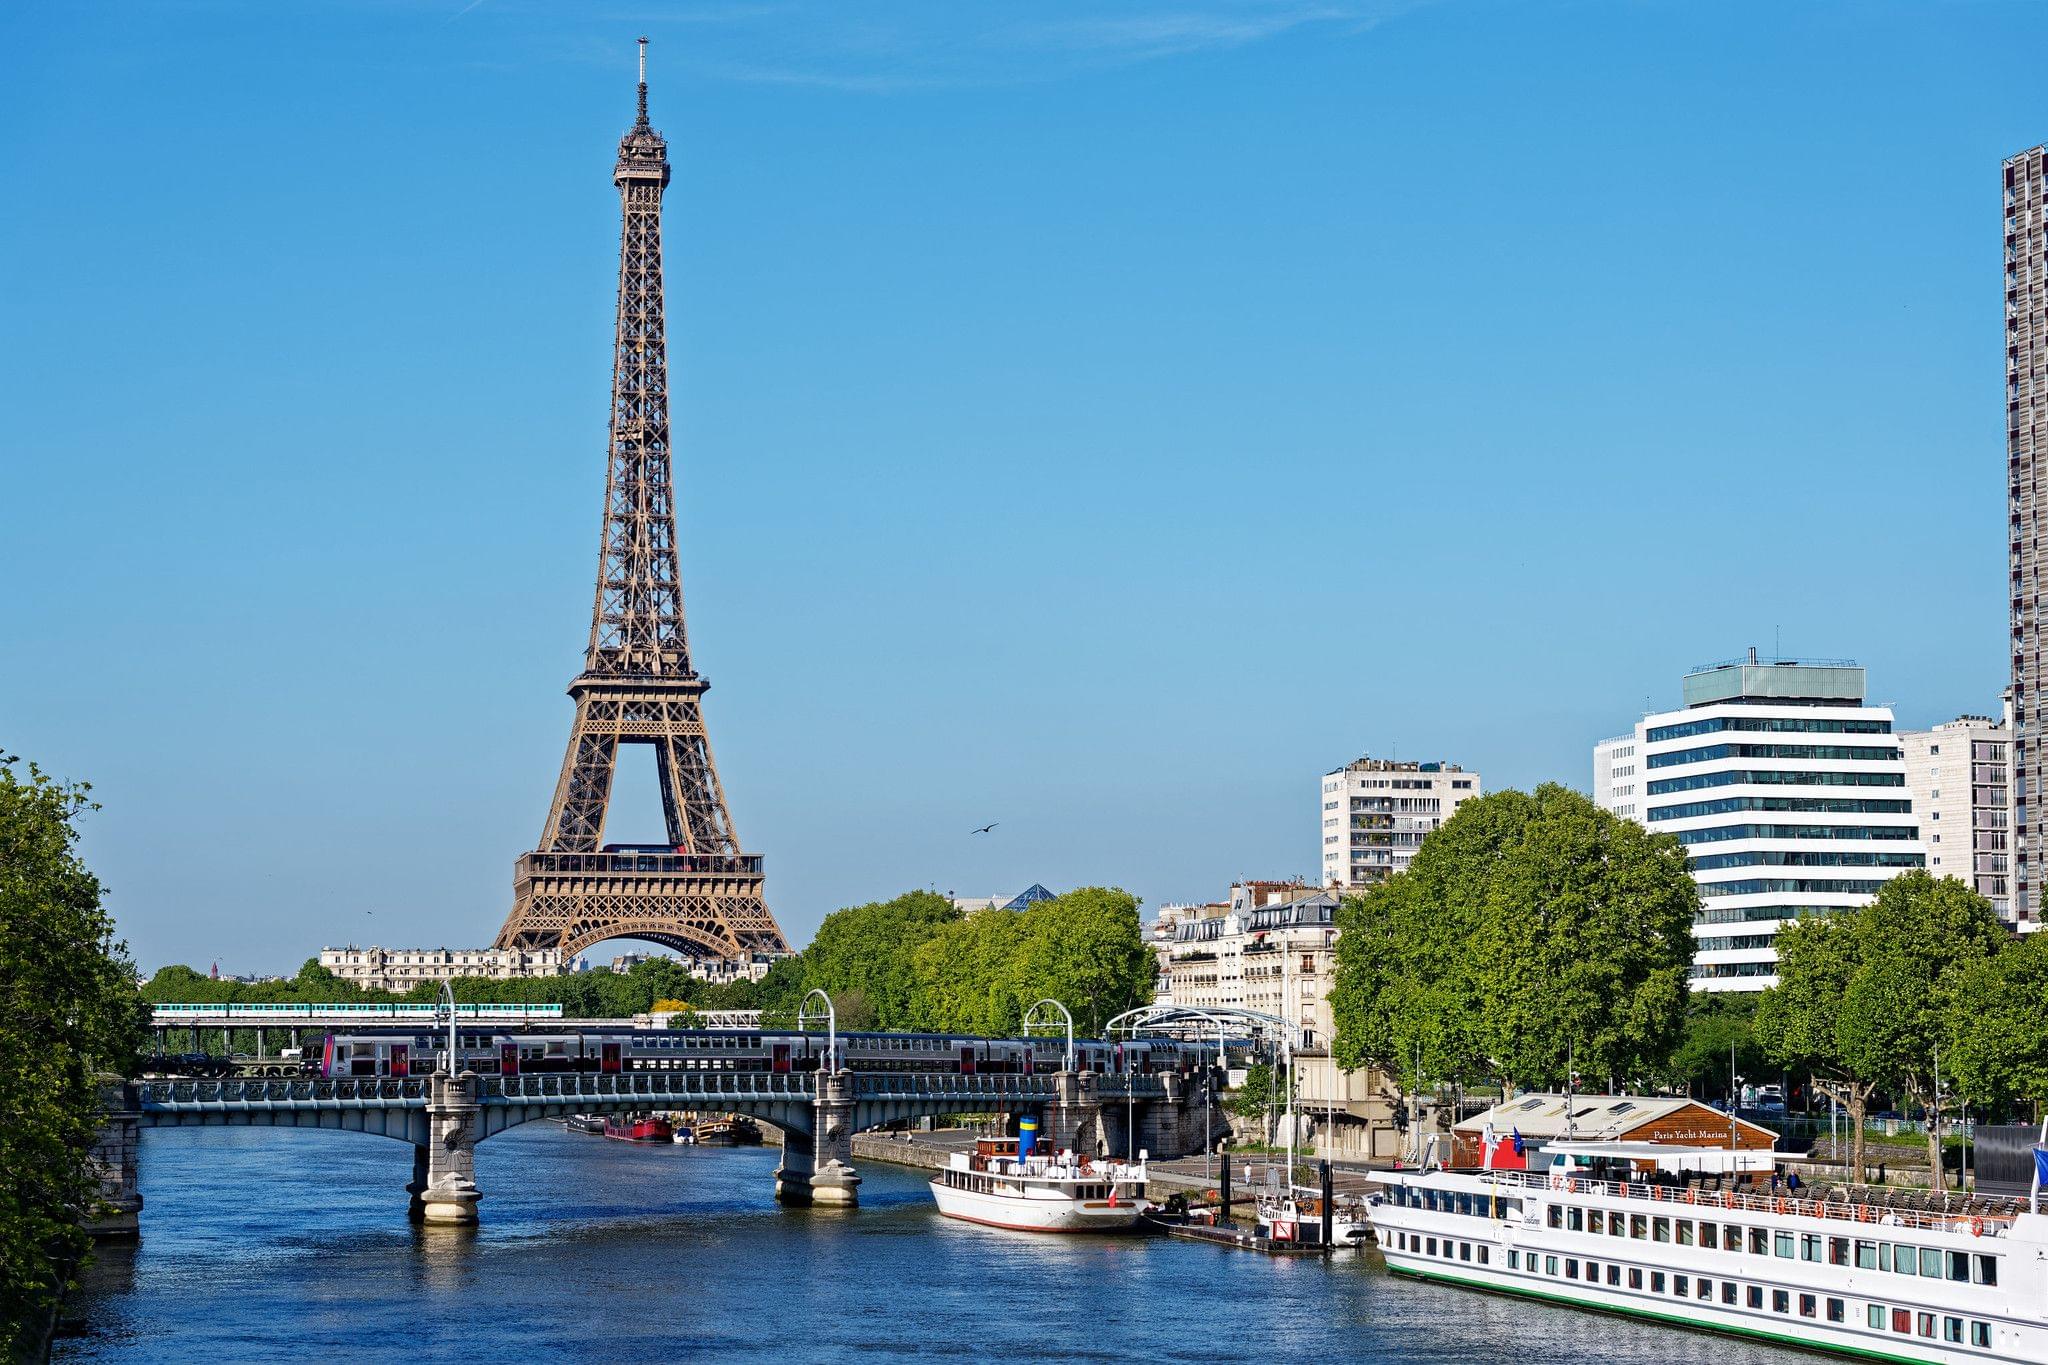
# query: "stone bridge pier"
115, 1157
1073, 1118
817, 1167
443, 1185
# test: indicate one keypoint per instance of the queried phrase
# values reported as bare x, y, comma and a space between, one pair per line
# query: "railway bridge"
817, 1113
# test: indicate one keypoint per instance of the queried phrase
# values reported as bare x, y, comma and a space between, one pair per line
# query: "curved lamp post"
804, 1013
1031, 1021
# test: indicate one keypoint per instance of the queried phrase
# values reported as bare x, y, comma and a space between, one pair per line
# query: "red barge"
639, 1128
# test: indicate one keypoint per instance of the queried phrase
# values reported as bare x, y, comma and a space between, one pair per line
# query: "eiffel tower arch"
697, 892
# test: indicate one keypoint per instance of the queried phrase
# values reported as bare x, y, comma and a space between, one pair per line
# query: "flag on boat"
1487, 1141
1521, 1149
2040, 1176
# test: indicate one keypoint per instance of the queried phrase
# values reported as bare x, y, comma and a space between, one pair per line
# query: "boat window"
1952, 1330
1592, 1272
1464, 1251
1986, 1270
1571, 1269
1902, 1321
1595, 1221
1756, 1297
1550, 1265
1662, 1229
1731, 1238
1781, 1301
1884, 1255
1959, 1266
1575, 1219
1635, 1277
1432, 1246
1930, 1262
1728, 1292
1614, 1274
1638, 1226
1759, 1242
1556, 1216
1656, 1282
1685, 1232
1927, 1324
1680, 1286
1482, 1255
1905, 1261
1514, 1260
1874, 1315
1809, 1306
1617, 1225
1809, 1246
1980, 1334
1838, 1251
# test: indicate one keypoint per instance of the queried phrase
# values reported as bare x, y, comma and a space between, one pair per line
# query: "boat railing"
1982, 1217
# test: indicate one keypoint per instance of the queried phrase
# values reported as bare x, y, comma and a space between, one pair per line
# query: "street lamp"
804, 1013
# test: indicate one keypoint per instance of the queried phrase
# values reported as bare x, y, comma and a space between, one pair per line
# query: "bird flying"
985, 828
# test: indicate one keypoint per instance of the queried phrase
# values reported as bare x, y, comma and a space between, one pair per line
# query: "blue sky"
1096, 419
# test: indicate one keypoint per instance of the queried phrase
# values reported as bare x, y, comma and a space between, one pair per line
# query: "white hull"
1037, 1210
1791, 1299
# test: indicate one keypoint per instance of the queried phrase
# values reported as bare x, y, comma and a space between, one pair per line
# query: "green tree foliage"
1998, 1026
1532, 932
870, 949
68, 1014
1263, 1096
1719, 1033
1865, 998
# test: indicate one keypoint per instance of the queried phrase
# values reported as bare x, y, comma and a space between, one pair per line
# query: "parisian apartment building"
1959, 773
1271, 947
1376, 813
400, 969
1789, 791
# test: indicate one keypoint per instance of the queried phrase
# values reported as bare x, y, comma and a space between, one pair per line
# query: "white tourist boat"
1296, 1215
1688, 1236
998, 1186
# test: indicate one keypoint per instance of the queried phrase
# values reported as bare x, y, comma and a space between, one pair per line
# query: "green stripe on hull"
1666, 1319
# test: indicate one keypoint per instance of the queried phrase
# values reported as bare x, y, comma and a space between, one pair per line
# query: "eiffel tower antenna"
698, 892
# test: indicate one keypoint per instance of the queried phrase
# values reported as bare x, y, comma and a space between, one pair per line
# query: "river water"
268, 1243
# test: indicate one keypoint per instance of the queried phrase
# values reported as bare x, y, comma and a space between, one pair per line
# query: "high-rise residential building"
2026, 454
1614, 775
1377, 811
1790, 795
1958, 776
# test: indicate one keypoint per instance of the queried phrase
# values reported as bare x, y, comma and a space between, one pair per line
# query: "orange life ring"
1656, 1193
1692, 1196
1862, 1214
1727, 1199
1781, 1203
1976, 1227
1571, 1187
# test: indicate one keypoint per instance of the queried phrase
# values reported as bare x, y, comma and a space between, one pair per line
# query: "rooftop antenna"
643, 82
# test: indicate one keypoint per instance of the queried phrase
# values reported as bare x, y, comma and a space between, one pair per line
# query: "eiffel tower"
697, 893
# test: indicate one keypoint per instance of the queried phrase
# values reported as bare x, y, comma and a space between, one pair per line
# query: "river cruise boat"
1000, 1187
1695, 1237
638, 1128
585, 1123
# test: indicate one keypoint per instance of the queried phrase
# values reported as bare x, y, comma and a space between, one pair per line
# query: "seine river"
269, 1244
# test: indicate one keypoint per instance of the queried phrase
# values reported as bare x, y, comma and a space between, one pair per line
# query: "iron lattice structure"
698, 893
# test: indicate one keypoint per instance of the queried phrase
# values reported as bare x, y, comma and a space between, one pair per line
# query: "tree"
1998, 1032
1533, 933
1264, 1094
869, 949
1719, 1038
1866, 997
69, 1012
1085, 949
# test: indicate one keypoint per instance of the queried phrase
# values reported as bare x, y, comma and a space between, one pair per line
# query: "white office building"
1377, 812
1959, 775
1790, 795
1614, 775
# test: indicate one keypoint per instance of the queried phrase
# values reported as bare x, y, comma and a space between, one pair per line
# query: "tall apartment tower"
1789, 794
1956, 773
1376, 813
2026, 451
